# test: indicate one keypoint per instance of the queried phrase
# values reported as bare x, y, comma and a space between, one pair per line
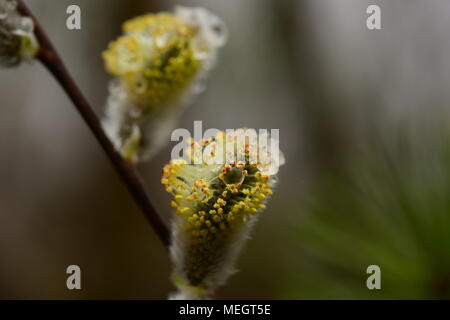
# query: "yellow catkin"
154, 59
223, 206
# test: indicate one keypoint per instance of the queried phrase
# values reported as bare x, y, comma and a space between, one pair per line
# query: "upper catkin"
160, 63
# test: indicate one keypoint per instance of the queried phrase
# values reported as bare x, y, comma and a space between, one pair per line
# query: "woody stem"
50, 58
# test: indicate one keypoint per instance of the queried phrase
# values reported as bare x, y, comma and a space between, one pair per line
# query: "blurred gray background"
307, 67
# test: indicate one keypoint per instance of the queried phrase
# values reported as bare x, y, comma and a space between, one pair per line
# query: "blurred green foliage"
390, 206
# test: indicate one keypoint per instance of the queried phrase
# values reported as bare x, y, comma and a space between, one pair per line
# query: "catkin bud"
159, 64
17, 40
216, 203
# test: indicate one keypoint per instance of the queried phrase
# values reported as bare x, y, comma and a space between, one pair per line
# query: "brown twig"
50, 58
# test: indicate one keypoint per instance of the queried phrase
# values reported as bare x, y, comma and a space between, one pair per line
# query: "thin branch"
50, 58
